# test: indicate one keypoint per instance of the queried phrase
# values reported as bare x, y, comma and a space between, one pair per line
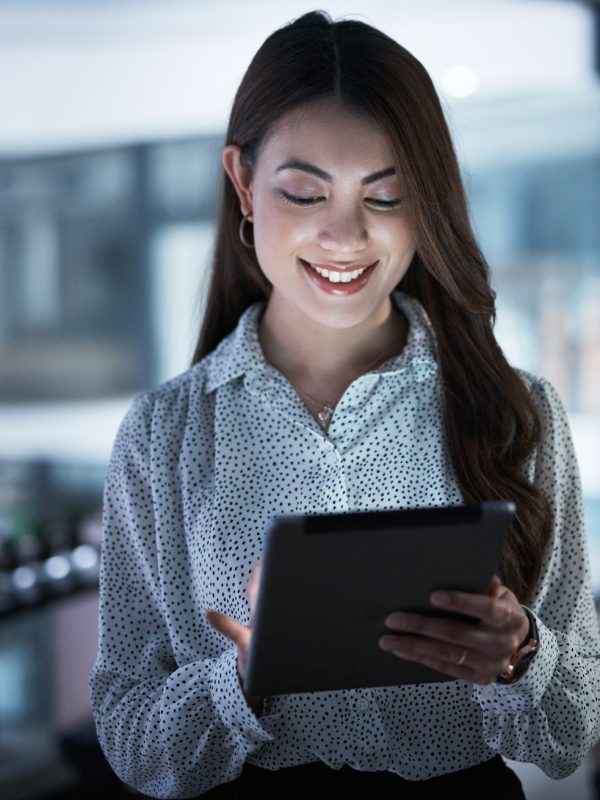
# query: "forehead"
328, 134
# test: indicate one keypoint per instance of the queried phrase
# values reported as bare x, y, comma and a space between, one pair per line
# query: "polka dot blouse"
198, 468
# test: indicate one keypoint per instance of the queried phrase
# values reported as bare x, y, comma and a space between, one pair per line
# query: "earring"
244, 241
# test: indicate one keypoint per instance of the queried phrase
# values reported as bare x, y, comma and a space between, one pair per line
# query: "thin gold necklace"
326, 410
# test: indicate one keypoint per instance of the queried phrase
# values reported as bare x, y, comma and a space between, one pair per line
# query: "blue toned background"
113, 115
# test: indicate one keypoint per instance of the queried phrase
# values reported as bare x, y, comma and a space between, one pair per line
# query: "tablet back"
328, 581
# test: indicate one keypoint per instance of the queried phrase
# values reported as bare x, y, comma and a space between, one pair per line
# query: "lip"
340, 289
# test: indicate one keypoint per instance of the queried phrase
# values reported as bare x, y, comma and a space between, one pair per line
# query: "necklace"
325, 412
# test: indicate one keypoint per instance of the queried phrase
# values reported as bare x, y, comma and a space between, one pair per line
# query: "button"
333, 457
488, 691
362, 704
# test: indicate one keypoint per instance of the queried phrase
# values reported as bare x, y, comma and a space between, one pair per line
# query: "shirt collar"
420, 348
240, 353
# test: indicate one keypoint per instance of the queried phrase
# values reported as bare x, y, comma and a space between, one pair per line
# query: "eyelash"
311, 201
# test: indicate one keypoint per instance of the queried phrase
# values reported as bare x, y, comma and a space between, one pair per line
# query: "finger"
253, 584
508, 614
502, 616
231, 628
504, 623
495, 586
256, 571
453, 661
462, 672
417, 649
439, 629
490, 610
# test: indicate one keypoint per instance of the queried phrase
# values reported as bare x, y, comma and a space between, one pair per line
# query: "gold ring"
462, 659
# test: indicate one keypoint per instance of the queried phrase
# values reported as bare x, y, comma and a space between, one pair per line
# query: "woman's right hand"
240, 634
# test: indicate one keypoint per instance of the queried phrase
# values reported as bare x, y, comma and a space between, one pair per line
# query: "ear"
239, 176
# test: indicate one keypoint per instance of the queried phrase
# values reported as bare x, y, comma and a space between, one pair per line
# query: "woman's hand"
240, 634
476, 653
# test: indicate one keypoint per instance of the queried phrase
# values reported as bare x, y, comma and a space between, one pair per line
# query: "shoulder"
537, 385
188, 399
547, 399
178, 392
166, 409
556, 449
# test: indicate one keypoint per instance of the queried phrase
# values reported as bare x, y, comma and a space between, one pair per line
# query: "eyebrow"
304, 166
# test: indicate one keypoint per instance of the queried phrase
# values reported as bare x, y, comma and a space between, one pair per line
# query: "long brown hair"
491, 421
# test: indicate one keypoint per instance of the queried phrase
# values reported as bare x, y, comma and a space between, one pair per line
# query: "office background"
113, 115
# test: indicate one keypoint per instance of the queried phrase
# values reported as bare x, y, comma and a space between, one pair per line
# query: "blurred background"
113, 115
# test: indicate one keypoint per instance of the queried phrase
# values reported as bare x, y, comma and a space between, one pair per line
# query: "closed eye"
385, 203
311, 201
300, 201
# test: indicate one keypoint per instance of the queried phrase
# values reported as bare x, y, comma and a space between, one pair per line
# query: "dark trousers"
492, 780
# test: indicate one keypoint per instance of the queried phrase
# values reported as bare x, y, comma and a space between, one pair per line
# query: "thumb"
252, 588
231, 628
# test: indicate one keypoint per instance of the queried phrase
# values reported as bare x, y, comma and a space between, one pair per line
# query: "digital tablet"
329, 580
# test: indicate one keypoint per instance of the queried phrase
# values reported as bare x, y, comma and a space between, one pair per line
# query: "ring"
462, 659
507, 617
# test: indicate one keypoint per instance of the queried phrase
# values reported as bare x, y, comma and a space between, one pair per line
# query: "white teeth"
339, 277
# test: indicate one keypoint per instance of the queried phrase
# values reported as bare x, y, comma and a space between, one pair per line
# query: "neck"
328, 359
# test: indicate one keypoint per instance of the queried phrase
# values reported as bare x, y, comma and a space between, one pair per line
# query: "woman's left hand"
476, 653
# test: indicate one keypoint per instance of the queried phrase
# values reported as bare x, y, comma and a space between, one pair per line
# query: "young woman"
346, 361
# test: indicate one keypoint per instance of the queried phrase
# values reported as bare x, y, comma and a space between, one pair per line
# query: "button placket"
358, 394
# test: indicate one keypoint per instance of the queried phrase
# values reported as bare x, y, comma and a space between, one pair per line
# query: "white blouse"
199, 466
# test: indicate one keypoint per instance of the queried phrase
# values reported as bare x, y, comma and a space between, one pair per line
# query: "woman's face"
330, 226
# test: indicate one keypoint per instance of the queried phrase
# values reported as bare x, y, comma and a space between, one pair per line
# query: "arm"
551, 716
169, 729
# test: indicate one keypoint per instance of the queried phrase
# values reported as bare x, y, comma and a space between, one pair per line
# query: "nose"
343, 230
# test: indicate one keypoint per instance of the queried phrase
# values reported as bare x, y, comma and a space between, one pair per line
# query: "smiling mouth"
339, 276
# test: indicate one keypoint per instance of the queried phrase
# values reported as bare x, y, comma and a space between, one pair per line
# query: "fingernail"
391, 644
397, 619
440, 598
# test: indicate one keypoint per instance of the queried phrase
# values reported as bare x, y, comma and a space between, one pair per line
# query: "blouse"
199, 466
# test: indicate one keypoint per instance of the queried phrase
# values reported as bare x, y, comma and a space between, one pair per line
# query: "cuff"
528, 690
230, 703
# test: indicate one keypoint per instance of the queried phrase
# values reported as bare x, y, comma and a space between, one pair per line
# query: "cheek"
271, 244
278, 230
397, 236
398, 242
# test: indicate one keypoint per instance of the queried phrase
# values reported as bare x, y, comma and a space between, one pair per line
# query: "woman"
346, 362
